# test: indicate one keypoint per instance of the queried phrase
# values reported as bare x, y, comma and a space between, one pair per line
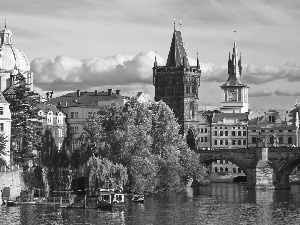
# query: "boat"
9, 202
109, 199
138, 198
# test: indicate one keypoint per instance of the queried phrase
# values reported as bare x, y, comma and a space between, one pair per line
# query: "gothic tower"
234, 91
177, 85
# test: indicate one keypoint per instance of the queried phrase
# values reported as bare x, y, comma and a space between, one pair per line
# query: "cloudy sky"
100, 44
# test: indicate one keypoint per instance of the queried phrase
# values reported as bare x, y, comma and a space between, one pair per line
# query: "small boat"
9, 202
109, 199
138, 198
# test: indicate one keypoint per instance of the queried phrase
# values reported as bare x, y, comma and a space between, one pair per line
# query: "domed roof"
11, 56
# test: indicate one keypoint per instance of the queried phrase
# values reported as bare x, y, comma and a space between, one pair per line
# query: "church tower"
234, 91
177, 85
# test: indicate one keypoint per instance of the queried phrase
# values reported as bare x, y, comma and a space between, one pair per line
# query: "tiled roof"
85, 99
220, 116
177, 51
48, 107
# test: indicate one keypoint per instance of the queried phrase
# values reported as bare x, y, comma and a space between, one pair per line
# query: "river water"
217, 203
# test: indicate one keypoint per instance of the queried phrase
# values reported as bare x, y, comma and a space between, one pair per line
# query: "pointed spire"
198, 64
174, 25
155, 62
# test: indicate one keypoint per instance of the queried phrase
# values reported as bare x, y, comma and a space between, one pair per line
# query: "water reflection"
217, 203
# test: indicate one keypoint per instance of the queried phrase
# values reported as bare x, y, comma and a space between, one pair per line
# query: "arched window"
221, 169
290, 140
234, 170
216, 169
280, 140
50, 117
226, 169
253, 139
239, 170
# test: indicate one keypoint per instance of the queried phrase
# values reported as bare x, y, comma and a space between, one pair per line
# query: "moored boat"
138, 198
109, 199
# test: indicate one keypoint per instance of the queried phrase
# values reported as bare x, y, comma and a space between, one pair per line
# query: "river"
217, 203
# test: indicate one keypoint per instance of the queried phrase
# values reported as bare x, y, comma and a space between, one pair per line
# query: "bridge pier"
262, 175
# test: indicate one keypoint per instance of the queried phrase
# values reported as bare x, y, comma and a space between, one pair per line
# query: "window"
221, 169
239, 142
216, 133
280, 140
1, 110
244, 142
226, 133
74, 114
290, 131
271, 119
1, 126
201, 130
226, 169
244, 133
201, 139
253, 130
205, 139
74, 130
60, 133
50, 117
205, 130
290, 140
75, 145
221, 133
225, 128
233, 142
221, 142
239, 133
233, 133
233, 170
253, 139
59, 146
226, 142
215, 142
262, 130
280, 130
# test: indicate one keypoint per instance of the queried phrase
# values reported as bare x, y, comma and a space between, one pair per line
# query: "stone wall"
13, 180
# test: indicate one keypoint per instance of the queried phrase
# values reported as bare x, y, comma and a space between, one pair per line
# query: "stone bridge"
264, 167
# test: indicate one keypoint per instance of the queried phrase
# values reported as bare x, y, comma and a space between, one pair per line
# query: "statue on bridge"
261, 141
274, 140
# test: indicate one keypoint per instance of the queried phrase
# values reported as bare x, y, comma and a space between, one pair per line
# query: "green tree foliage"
26, 126
33, 179
145, 139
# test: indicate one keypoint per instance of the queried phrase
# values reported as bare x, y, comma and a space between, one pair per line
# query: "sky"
95, 45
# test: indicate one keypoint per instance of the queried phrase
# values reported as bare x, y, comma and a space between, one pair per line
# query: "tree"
3, 143
145, 139
26, 124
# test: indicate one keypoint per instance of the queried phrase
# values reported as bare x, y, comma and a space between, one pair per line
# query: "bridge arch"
190, 138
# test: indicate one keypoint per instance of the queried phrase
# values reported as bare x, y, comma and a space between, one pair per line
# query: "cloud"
67, 73
287, 92
262, 93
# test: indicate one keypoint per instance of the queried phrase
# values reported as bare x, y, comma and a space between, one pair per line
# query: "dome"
11, 56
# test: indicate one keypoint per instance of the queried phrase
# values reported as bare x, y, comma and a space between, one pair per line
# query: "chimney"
96, 92
78, 93
109, 92
118, 92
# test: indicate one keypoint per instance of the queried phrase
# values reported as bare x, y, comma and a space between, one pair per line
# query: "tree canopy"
144, 138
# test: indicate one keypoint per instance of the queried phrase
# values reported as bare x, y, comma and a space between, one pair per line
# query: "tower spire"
174, 25
198, 64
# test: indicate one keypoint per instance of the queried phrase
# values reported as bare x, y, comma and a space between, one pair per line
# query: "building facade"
177, 85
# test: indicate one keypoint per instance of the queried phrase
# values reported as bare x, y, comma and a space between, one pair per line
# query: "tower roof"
234, 68
177, 52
